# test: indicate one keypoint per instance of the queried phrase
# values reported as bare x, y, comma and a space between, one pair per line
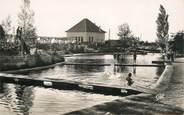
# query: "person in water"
129, 79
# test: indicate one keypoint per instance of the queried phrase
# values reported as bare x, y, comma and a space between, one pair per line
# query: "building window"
90, 39
76, 39
81, 39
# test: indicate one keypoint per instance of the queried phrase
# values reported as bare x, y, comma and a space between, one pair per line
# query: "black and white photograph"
91, 57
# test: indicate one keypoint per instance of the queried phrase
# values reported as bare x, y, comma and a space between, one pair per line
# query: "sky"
54, 17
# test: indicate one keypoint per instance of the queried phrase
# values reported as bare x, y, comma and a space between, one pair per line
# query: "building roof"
85, 26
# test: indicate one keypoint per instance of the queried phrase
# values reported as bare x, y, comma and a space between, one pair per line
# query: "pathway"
174, 95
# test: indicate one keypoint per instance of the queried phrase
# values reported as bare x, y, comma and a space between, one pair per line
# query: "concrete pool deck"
147, 104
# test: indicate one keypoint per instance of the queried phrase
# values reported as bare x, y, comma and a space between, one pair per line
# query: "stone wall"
19, 62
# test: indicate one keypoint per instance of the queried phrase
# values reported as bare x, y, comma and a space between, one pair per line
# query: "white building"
51, 40
86, 32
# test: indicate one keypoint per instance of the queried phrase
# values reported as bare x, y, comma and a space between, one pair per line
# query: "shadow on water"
17, 98
159, 70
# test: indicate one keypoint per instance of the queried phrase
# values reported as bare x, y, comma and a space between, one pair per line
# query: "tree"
126, 36
162, 28
2, 33
7, 25
179, 42
25, 21
124, 31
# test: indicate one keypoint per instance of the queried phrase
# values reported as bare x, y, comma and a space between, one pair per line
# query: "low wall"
163, 81
20, 62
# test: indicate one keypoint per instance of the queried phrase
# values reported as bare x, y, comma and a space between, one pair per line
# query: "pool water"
17, 99
108, 75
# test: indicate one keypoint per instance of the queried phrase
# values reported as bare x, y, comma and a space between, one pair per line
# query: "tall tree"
2, 33
162, 28
26, 21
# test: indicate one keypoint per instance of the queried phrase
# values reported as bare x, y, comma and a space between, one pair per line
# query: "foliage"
126, 36
26, 20
124, 31
162, 27
8, 48
2, 33
7, 25
179, 42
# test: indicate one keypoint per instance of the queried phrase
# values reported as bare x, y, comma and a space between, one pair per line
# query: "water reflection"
1, 86
159, 71
84, 68
134, 70
25, 100
17, 98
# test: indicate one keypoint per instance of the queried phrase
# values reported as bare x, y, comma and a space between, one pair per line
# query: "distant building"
51, 40
86, 32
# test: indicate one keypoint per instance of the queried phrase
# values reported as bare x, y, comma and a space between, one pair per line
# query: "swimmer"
129, 79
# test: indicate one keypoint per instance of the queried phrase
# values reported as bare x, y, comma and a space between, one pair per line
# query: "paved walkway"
170, 101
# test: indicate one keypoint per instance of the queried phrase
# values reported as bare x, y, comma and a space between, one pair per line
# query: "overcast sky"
54, 17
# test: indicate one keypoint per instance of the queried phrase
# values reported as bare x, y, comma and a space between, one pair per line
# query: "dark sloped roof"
85, 26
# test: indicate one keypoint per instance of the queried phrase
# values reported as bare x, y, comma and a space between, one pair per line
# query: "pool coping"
161, 85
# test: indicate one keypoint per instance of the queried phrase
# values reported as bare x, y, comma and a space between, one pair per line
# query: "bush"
7, 48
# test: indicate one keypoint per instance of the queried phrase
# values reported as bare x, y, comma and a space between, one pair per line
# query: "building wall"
86, 36
51, 40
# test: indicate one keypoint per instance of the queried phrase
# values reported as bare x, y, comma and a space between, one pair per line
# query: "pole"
109, 37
